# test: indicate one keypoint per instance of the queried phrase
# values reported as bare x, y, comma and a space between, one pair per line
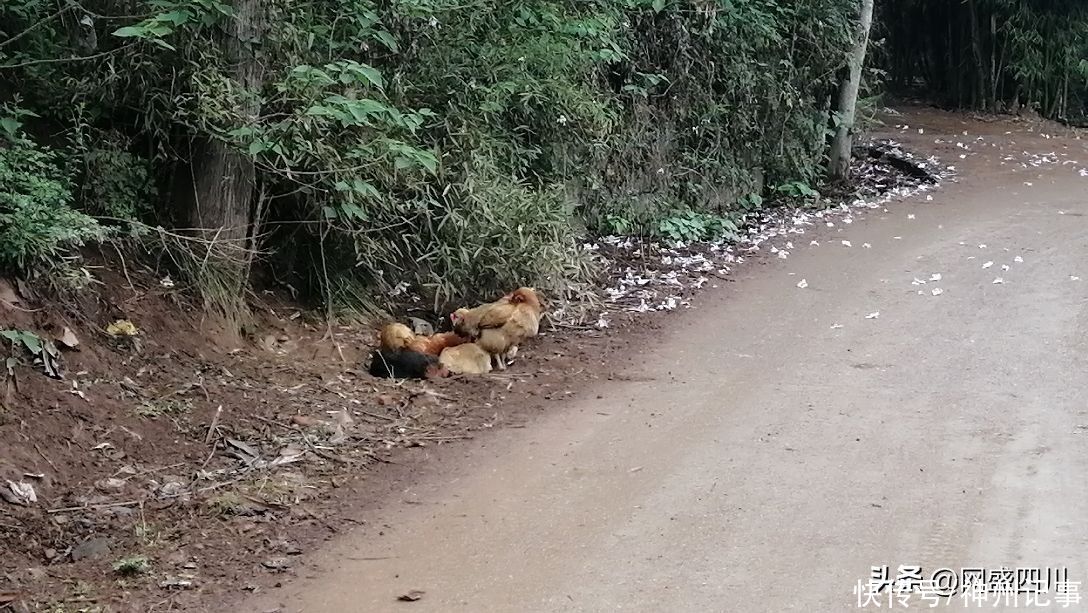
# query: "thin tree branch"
36, 24
64, 59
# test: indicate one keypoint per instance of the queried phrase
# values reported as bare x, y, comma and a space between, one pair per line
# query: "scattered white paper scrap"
935, 276
988, 264
937, 291
917, 281
814, 243
910, 216
929, 198
836, 326
873, 315
998, 281
24, 492
1074, 278
982, 246
1018, 260
1028, 183
867, 246
847, 244
1004, 267
802, 284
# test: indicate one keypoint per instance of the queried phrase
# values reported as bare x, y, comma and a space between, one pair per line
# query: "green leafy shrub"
695, 226
456, 149
132, 566
797, 189
38, 225
42, 351
116, 183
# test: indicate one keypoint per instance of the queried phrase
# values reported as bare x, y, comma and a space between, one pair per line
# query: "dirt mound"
182, 461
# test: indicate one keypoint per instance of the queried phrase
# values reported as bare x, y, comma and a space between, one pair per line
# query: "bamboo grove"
347, 150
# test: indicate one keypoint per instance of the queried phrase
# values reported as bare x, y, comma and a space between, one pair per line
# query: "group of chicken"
482, 337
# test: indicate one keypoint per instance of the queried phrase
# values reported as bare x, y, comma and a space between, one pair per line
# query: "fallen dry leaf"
7, 293
411, 596
122, 327
305, 421
68, 338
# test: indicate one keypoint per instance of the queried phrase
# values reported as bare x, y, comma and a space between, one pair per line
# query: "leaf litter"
647, 275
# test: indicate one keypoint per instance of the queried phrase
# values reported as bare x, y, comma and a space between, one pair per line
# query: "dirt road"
776, 443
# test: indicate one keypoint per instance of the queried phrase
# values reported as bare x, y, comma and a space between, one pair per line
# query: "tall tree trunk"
839, 166
993, 63
976, 49
218, 193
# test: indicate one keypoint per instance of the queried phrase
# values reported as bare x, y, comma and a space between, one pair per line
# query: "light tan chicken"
467, 321
466, 359
400, 336
499, 327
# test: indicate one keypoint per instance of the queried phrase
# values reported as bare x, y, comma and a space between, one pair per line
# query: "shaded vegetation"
994, 55
359, 151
